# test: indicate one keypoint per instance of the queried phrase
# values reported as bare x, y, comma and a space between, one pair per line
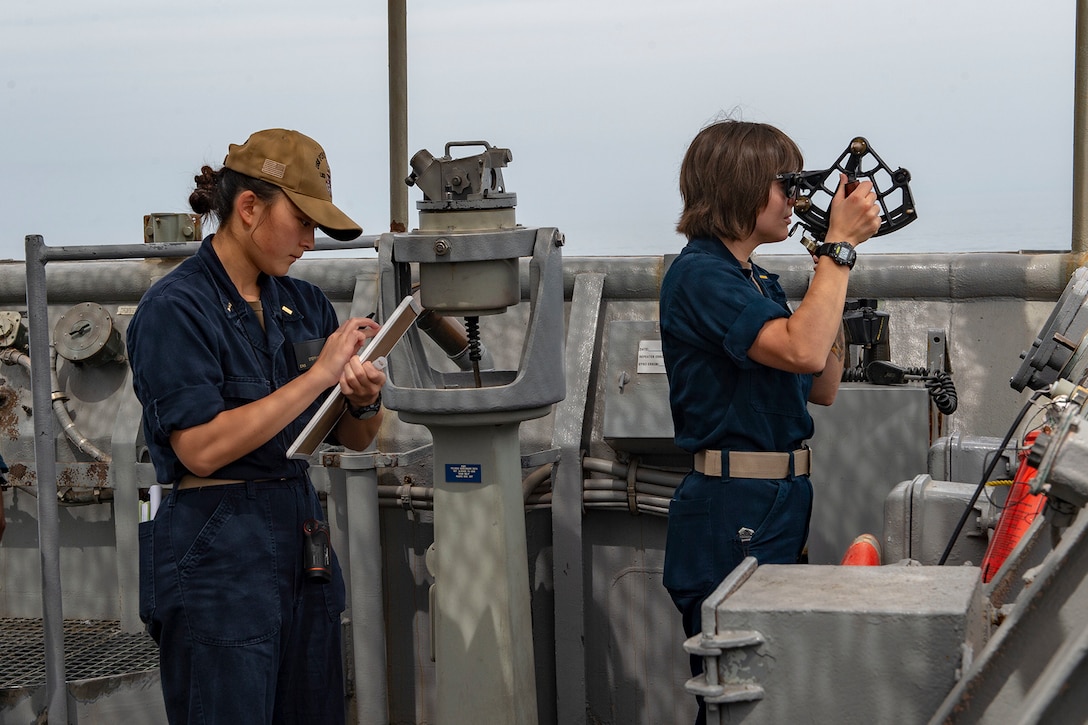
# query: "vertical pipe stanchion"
398, 115
366, 596
1080, 132
567, 571
124, 480
45, 461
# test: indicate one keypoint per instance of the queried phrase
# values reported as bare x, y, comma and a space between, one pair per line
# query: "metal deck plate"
92, 649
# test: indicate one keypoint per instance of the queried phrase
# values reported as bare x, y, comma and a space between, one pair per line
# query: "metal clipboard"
319, 427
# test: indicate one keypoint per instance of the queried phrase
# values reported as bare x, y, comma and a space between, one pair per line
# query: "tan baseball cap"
297, 164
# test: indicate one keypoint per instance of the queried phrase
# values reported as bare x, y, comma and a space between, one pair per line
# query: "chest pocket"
239, 391
776, 392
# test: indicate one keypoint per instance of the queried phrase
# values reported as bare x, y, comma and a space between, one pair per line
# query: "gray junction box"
898, 634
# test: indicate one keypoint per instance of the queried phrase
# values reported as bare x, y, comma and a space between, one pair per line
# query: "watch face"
843, 254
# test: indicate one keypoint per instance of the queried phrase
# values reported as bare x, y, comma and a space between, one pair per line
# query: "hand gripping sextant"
860, 163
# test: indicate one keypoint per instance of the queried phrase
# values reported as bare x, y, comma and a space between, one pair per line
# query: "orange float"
865, 551
1021, 508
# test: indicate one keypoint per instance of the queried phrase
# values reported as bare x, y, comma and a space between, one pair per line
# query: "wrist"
851, 238
841, 253
363, 412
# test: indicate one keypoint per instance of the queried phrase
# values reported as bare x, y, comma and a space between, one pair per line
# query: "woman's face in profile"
284, 234
773, 221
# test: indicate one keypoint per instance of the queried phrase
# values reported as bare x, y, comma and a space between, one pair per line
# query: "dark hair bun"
203, 198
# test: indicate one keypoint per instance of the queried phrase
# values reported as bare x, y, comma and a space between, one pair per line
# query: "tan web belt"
751, 464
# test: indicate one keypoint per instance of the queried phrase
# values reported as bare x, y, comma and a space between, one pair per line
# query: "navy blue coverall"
244, 637
711, 311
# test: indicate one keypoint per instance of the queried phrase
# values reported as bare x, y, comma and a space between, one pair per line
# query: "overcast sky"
109, 107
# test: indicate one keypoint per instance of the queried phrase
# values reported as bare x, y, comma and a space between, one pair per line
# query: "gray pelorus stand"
466, 255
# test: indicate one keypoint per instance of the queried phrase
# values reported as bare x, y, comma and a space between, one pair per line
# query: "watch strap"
841, 253
366, 411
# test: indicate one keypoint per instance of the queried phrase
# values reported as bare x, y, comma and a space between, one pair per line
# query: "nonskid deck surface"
92, 649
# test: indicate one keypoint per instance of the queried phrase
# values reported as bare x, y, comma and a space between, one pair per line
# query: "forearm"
358, 434
826, 384
231, 434
801, 343
818, 319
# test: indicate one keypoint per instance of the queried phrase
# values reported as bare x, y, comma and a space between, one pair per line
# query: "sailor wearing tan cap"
230, 359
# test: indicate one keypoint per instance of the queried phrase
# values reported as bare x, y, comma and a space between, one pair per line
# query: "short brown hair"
726, 175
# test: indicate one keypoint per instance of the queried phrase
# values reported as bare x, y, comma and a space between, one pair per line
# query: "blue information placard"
464, 473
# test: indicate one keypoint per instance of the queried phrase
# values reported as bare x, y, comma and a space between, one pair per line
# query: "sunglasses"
791, 183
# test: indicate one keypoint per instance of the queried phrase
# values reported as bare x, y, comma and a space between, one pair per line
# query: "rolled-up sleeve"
738, 339
715, 312
175, 366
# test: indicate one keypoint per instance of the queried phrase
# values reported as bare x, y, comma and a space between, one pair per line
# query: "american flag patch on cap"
273, 168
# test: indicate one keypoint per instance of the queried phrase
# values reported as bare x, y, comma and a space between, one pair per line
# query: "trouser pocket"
227, 568
689, 553
147, 575
770, 519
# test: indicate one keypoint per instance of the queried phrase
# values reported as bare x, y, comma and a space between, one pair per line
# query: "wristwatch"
367, 411
840, 252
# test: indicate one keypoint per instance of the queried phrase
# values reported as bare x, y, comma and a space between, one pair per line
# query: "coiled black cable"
880, 372
475, 349
854, 375
942, 391
472, 330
